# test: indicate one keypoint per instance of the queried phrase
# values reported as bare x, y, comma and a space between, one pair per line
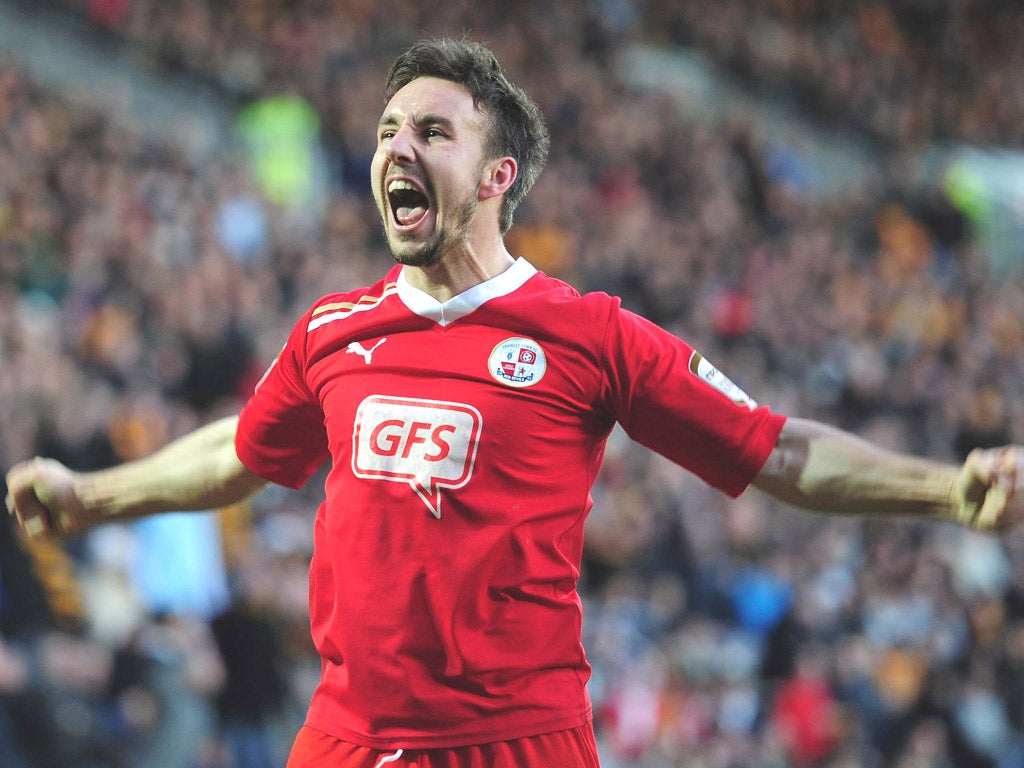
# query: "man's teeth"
408, 202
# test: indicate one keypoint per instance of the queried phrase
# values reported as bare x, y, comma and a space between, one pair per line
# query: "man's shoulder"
544, 287
340, 305
559, 296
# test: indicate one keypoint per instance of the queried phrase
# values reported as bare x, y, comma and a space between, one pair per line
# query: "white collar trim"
443, 313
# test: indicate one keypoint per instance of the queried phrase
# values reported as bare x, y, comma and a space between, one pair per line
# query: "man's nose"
399, 148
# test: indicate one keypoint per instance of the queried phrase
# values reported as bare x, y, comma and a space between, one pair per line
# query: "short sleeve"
670, 399
281, 434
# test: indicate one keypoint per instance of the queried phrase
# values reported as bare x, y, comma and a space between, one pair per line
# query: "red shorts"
574, 748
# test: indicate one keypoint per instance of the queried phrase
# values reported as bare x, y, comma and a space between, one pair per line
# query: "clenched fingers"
24, 484
999, 472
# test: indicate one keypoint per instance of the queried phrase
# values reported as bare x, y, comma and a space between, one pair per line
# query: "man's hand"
989, 491
41, 494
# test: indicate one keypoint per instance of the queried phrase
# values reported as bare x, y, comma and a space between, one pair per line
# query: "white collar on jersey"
442, 313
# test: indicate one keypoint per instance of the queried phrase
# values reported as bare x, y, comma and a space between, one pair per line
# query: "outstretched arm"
821, 468
198, 471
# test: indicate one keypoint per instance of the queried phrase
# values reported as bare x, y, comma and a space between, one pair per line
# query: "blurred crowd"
904, 71
142, 294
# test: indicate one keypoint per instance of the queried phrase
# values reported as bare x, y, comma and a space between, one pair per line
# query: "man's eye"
433, 133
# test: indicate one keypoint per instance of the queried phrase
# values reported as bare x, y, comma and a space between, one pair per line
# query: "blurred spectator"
805, 713
255, 690
281, 133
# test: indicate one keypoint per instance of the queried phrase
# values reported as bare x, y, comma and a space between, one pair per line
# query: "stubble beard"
443, 241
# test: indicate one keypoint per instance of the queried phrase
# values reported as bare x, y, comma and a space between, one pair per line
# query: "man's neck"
457, 272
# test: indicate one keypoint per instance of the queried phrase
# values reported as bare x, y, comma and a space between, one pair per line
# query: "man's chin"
420, 255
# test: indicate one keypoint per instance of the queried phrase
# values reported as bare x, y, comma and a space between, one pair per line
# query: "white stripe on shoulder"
341, 310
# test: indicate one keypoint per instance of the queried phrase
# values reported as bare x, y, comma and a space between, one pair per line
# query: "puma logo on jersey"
390, 758
359, 349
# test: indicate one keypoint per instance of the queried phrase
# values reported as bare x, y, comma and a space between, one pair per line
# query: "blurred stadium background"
826, 198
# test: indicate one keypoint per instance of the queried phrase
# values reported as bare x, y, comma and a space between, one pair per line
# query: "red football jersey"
464, 439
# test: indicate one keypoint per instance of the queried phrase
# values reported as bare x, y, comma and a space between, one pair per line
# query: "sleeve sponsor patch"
713, 377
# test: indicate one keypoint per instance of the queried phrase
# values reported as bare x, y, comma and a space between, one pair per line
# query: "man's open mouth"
408, 202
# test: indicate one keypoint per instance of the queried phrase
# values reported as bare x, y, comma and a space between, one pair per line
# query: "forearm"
198, 471
821, 468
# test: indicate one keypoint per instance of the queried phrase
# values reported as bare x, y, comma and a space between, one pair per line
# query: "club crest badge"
517, 362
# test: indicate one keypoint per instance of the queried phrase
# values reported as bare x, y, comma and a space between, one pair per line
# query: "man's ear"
497, 177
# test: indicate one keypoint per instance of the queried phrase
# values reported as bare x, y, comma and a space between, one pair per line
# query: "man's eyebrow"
422, 121
436, 120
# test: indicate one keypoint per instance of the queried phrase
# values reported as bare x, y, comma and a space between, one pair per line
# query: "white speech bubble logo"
429, 444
